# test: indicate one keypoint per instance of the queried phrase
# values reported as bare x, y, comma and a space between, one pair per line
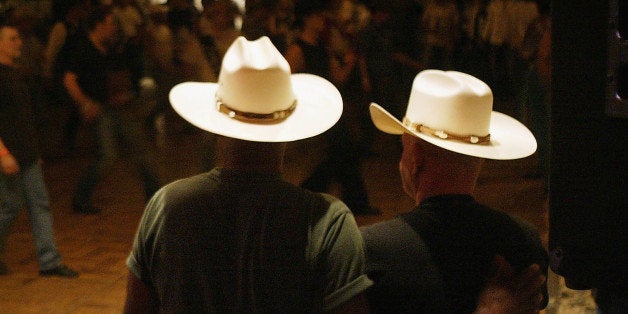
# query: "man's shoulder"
387, 235
378, 227
267, 189
189, 187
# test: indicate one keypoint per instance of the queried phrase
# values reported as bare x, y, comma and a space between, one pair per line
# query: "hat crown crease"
451, 102
257, 98
255, 78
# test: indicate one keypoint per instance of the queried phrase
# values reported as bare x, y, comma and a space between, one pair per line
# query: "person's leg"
38, 206
133, 134
345, 165
354, 192
322, 175
71, 127
10, 204
104, 129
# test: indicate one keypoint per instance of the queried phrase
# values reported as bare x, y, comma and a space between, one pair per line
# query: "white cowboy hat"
453, 110
257, 99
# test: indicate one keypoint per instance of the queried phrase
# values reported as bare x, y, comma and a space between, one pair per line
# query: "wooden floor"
97, 245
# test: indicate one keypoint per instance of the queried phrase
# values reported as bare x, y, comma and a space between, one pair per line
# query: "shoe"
60, 271
3, 269
86, 209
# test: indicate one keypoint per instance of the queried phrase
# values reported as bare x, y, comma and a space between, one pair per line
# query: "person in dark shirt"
100, 83
342, 163
439, 257
21, 174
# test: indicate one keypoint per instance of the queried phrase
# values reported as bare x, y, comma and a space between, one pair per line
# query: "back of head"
266, 157
459, 163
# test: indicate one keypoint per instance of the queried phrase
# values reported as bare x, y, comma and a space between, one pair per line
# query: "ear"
411, 164
413, 153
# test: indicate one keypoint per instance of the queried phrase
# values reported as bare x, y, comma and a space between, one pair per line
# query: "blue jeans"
29, 186
111, 126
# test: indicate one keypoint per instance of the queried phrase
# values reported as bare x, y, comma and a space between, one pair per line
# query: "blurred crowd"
382, 45
391, 40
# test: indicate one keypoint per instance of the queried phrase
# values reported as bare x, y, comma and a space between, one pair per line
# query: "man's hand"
508, 292
8, 165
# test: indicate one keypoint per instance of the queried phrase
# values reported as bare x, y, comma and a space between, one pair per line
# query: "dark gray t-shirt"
244, 242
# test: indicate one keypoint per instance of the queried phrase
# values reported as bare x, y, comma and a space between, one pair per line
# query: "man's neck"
442, 183
250, 156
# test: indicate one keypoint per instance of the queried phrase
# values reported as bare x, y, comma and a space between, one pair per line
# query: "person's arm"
364, 74
56, 39
8, 163
89, 108
510, 293
341, 70
139, 298
407, 61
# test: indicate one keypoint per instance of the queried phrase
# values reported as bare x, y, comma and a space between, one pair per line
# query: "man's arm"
89, 108
139, 298
8, 163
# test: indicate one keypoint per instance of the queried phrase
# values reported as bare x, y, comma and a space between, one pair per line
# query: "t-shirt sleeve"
339, 252
141, 258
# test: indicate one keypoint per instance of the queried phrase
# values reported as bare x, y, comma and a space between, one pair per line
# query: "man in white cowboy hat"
239, 238
443, 256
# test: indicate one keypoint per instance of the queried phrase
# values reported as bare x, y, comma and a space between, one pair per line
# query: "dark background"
589, 142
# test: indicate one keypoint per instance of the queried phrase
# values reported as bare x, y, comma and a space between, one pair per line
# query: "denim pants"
28, 187
111, 126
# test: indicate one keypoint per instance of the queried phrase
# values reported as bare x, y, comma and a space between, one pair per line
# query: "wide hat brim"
319, 106
510, 139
